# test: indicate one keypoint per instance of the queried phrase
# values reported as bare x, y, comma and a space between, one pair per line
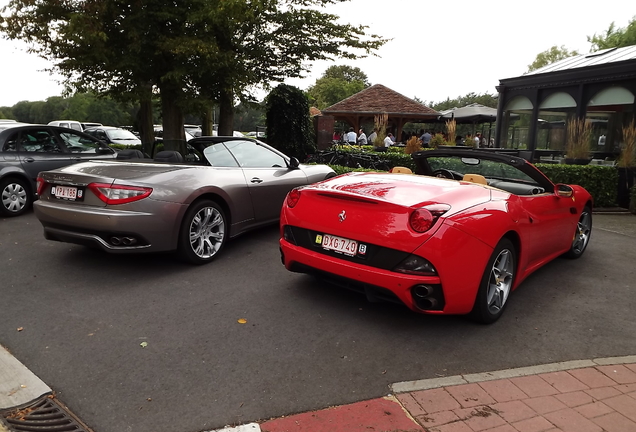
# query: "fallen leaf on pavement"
20, 328
242, 321
143, 344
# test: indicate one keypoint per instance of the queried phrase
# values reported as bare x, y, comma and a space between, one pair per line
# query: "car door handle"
29, 159
256, 180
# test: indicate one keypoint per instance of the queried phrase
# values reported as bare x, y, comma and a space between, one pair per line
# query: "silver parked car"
227, 186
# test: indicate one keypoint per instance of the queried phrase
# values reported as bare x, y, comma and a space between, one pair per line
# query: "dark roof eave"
606, 72
392, 114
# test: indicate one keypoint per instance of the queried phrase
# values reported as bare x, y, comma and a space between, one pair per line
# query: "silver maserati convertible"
223, 187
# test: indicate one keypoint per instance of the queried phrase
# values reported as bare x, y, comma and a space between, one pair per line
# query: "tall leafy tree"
215, 50
337, 83
550, 56
288, 122
614, 37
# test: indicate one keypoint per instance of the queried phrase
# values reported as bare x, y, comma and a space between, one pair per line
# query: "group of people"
360, 138
425, 136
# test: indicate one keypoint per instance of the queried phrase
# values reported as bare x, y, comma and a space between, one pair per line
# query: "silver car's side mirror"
294, 163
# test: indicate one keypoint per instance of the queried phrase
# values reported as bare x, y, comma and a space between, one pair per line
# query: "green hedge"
600, 181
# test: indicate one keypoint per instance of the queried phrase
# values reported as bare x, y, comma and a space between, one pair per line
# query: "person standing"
372, 137
477, 140
362, 137
388, 141
351, 137
426, 139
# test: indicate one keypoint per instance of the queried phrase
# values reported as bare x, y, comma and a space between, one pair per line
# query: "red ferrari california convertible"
456, 238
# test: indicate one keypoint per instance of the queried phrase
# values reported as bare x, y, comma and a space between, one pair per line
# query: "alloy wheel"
500, 281
582, 234
207, 232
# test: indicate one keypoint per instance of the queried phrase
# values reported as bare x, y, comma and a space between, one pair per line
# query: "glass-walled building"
534, 108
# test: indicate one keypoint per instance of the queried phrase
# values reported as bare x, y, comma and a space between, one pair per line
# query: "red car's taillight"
41, 183
119, 194
293, 197
422, 219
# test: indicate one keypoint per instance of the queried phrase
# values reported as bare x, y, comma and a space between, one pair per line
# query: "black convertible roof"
515, 161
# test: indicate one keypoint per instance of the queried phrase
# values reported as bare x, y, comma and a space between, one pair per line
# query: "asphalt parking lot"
83, 316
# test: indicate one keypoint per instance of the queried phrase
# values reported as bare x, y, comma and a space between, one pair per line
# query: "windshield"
120, 134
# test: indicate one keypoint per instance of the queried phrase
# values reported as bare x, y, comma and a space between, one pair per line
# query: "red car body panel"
459, 244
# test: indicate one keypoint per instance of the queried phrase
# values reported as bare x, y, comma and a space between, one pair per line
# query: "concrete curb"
18, 385
427, 384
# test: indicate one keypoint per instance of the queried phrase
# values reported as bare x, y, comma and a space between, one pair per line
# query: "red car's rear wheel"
496, 283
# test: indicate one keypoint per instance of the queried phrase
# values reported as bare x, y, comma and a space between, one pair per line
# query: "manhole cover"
44, 415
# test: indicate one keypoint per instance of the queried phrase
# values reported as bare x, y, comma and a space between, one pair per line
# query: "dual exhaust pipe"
424, 297
123, 241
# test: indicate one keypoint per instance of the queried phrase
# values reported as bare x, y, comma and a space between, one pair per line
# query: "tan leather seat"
400, 169
475, 178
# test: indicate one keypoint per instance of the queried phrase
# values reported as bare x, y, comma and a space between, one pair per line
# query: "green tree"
337, 83
193, 49
614, 37
288, 123
550, 56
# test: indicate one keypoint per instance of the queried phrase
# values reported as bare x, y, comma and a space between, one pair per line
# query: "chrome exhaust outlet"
115, 241
422, 291
128, 241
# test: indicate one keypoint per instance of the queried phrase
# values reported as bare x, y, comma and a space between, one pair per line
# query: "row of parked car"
27, 149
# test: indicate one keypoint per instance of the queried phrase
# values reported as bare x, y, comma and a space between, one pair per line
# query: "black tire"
204, 231
15, 197
581, 235
496, 283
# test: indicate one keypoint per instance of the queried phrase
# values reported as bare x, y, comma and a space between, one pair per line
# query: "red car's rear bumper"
298, 258
459, 259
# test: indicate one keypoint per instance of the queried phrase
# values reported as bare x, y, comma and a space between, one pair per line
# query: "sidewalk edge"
427, 384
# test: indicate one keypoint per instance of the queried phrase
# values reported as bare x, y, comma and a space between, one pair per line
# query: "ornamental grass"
628, 152
451, 130
414, 144
579, 134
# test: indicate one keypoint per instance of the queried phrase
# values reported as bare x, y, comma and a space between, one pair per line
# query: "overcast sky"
438, 50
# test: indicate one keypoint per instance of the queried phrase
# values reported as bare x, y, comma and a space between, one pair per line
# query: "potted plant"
579, 134
627, 164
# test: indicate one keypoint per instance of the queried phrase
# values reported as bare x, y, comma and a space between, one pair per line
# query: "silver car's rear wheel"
496, 283
203, 232
15, 197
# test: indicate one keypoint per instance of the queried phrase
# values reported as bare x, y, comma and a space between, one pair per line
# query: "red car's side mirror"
564, 191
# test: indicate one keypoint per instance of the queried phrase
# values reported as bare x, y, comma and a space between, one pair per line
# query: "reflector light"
293, 197
416, 265
119, 194
421, 220
41, 183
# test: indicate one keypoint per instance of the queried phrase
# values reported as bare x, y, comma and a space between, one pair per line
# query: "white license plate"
67, 192
339, 244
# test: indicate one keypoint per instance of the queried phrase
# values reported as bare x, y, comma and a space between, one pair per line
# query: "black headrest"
168, 156
130, 154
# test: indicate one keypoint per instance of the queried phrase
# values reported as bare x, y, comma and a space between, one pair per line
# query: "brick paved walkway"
590, 399
578, 396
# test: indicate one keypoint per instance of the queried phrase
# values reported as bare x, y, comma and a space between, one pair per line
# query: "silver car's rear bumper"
115, 231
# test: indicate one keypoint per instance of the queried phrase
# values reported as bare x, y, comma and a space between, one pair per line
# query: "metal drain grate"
44, 415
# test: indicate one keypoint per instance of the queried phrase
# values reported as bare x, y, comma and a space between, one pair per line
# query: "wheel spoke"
207, 232
500, 281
